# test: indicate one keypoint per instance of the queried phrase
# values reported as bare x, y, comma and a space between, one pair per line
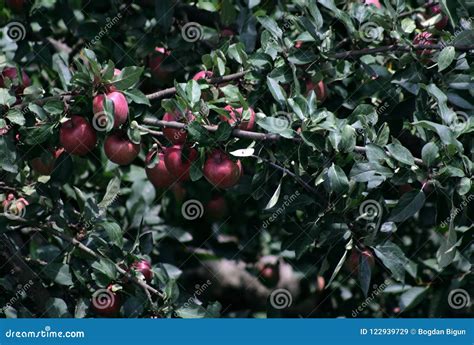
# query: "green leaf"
446, 113
111, 193
59, 273
137, 96
198, 133
128, 77
393, 258
430, 153
193, 92
16, 116
401, 154
271, 25
338, 181
409, 204
411, 298
56, 308
446, 57
114, 232
224, 130
276, 90
6, 98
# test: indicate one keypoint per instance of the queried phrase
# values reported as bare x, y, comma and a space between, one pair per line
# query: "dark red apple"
319, 88
179, 162
443, 21
203, 75
17, 6
77, 136
221, 171
119, 149
177, 136
45, 167
158, 175
12, 74
120, 106
236, 115
226, 32
144, 267
156, 64
216, 208
376, 3
106, 303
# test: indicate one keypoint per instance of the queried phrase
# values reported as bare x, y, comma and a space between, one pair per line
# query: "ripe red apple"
221, 171
176, 136
352, 264
236, 115
203, 75
120, 106
158, 175
376, 3
144, 267
107, 304
45, 167
77, 136
179, 162
119, 149
424, 38
440, 24
320, 89
17, 6
216, 208
157, 68
12, 74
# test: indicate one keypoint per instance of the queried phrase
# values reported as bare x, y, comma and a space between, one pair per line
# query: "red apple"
443, 21
12, 74
17, 6
221, 171
144, 267
352, 265
158, 175
157, 68
217, 208
203, 75
77, 136
106, 303
120, 106
45, 167
176, 136
424, 38
179, 162
236, 115
226, 32
376, 3
179, 192
120, 150
320, 89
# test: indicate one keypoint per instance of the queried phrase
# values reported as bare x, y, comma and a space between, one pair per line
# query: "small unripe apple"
174, 135
45, 166
17, 6
319, 88
107, 304
77, 136
236, 115
376, 3
157, 69
120, 150
353, 263
221, 171
216, 208
120, 106
12, 74
203, 75
144, 267
158, 175
179, 162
